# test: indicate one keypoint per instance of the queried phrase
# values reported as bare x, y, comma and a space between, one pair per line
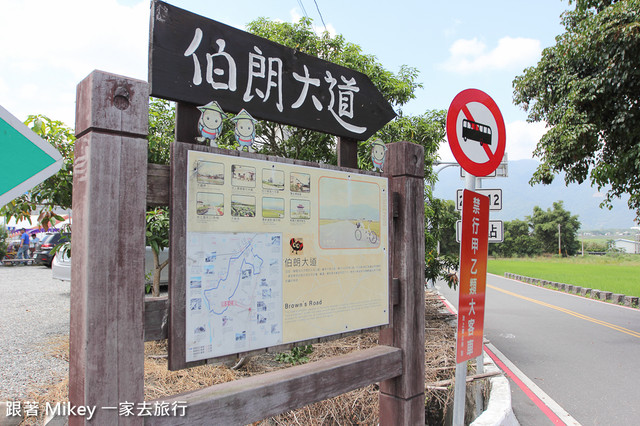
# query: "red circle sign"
476, 132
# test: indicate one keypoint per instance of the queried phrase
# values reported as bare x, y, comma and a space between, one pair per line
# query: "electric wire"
320, 13
304, 11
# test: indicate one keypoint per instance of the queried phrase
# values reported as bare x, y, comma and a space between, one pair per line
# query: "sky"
47, 47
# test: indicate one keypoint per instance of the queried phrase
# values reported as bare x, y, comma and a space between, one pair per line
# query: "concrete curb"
499, 411
605, 296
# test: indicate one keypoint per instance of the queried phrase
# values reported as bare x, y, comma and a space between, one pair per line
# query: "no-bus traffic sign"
476, 132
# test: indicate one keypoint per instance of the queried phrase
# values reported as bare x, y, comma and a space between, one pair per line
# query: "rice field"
618, 274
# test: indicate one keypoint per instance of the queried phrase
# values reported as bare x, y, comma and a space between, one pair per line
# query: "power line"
304, 11
319, 13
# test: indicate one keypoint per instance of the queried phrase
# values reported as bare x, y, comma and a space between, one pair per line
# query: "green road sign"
27, 158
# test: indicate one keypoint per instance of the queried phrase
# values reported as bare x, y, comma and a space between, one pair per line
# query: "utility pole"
559, 241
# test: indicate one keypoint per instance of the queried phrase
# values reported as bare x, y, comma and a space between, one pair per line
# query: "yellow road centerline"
569, 312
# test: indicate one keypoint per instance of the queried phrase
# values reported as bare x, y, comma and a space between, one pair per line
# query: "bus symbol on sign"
476, 132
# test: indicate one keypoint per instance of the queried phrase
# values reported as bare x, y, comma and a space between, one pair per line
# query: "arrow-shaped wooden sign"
195, 60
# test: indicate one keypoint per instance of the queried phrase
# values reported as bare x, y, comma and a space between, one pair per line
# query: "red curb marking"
532, 396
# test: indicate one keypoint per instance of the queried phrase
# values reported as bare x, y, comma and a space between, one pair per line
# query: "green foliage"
157, 237
397, 89
64, 246
297, 355
586, 88
545, 229
427, 130
600, 246
440, 226
162, 123
538, 234
518, 241
157, 234
4, 234
55, 191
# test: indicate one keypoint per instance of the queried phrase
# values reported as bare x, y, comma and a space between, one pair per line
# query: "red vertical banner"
473, 275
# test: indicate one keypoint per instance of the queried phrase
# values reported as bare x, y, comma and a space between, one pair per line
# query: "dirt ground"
359, 407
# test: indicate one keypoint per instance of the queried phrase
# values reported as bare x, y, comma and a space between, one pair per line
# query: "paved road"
584, 354
343, 235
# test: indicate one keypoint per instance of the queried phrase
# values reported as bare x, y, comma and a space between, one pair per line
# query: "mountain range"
519, 198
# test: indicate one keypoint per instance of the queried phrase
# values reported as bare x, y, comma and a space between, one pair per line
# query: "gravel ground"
35, 310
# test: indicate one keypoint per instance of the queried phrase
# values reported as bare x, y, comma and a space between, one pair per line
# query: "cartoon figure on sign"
296, 245
210, 122
378, 154
245, 129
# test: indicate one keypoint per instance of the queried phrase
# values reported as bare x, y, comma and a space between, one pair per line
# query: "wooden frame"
110, 320
177, 251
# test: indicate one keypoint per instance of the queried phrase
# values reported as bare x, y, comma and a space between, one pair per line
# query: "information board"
280, 253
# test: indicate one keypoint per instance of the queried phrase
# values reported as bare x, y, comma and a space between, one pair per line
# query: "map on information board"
234, 291
279, 253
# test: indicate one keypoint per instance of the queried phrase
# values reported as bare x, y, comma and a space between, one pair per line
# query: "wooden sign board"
195, 60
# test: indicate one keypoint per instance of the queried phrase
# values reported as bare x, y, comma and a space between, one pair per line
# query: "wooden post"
187, 116
347, 151
106, 360
402, 398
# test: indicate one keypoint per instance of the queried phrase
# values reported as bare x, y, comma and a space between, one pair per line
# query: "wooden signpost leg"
347, 151
106, 360
402, 398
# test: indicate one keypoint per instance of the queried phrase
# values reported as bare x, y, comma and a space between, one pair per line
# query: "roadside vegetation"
616, 273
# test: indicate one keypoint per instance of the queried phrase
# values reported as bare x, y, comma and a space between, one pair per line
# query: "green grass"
618, 274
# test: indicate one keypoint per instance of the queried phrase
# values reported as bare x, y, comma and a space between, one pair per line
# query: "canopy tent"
31, 226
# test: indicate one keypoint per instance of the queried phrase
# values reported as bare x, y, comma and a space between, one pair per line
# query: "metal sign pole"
461, 368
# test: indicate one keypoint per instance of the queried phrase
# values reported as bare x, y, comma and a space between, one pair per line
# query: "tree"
440, 227
297, 143
427, 130
518, 241
545, 229
157, 237
587, 89
162, 125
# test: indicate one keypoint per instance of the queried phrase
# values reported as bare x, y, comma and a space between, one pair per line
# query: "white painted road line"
544, 402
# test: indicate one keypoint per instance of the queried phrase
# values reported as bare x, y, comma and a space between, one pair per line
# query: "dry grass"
354, 408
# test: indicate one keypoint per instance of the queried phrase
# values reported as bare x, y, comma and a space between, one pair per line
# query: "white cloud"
452, 29
469, 56
522, 138
51, 46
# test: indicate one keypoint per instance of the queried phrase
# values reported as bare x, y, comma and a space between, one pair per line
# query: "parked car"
43, 254
61, 266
